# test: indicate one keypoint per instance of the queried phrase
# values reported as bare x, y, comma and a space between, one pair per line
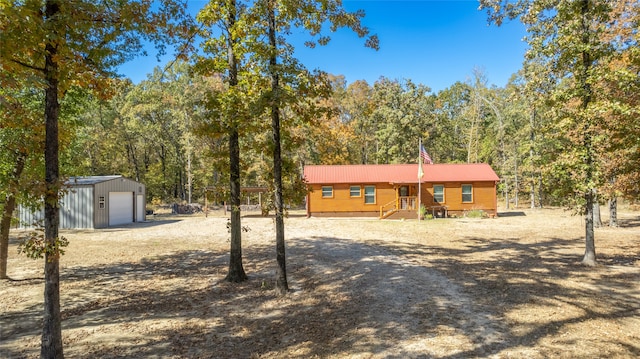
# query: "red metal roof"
407, 173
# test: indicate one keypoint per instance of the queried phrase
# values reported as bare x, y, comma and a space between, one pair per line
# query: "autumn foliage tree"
54, 45
568, 42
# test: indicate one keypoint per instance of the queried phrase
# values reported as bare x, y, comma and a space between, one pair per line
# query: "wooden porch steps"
403, 214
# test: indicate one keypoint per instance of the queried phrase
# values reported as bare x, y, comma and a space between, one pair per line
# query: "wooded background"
165, 133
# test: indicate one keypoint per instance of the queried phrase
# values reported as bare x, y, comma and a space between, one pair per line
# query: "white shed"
96, 202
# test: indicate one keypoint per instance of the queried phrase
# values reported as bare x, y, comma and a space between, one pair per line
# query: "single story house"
393, 190
95, 202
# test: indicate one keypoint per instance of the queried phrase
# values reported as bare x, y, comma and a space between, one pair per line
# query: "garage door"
120, 208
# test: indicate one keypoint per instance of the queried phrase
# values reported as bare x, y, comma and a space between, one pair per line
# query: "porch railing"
388, 208
407, 203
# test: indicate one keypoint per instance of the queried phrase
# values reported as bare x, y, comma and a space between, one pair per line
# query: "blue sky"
431, 42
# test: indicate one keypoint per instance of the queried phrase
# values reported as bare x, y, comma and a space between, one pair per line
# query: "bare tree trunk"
597, 218
587, 61
7, 213
532, 139
282, 287
532, 195
516, 186
505, 192
236, 270
540, 193
613, 212
589, 258
51, 344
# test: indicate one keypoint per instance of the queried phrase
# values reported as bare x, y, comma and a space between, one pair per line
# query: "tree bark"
589, 258
613, 212
7, 213
590, 195
236, 270
597, 218
282, 287
51, 345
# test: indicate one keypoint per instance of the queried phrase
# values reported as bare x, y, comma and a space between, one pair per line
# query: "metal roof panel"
89, 180
399, 173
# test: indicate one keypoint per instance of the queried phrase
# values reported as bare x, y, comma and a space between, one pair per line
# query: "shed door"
120, 208
140, 208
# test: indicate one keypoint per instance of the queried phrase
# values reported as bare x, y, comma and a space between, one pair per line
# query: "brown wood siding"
343, 202
484, 196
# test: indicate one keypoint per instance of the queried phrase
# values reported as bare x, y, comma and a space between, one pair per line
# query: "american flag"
426, 159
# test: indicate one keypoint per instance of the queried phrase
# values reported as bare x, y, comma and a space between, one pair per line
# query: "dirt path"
509, 287
397, 301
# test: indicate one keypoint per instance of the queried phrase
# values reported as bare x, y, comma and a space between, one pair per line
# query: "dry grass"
361, 288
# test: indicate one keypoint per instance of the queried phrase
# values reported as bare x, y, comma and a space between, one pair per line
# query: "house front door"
403, 193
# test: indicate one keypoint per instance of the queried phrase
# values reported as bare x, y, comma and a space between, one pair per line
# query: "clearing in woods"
361, 288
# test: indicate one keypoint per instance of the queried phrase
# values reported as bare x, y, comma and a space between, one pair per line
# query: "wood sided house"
95, 202
386, 191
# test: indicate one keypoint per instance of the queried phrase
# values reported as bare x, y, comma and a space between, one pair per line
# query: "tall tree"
565, 36
282, 285
229, 109
358, 106
620, 163
404, 113
57, 44
15, 145
280, 17
449, 138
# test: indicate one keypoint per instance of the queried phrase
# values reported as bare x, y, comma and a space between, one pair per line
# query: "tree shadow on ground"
512, 214
633, 222
380, 298
512, 275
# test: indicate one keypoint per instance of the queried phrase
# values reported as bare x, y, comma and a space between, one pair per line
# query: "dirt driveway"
361, 288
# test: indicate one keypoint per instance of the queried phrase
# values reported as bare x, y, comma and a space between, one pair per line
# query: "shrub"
475, 213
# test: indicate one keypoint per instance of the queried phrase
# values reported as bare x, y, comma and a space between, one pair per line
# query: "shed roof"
399, 173
89, 180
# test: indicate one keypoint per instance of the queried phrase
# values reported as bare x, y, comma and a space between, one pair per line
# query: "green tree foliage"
18, 144
229, 109
248, 46
568, 45
55, 45
145, 132
291, 83
450, 133
620, 83
357, 108
403, 115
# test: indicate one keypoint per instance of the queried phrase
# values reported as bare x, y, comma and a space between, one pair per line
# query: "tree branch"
41, 69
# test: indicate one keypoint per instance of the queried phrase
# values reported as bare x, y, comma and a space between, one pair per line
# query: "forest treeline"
159, 132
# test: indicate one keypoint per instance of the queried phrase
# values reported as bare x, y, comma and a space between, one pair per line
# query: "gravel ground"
360, 288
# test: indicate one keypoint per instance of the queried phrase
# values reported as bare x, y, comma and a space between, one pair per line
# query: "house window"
438, 193
467, 193
327, 192
101, 202
354, 191
369, 194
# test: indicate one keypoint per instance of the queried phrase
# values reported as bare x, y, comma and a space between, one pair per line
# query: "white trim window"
369, 194
438, 193
355, 191
327, 191
467, 193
